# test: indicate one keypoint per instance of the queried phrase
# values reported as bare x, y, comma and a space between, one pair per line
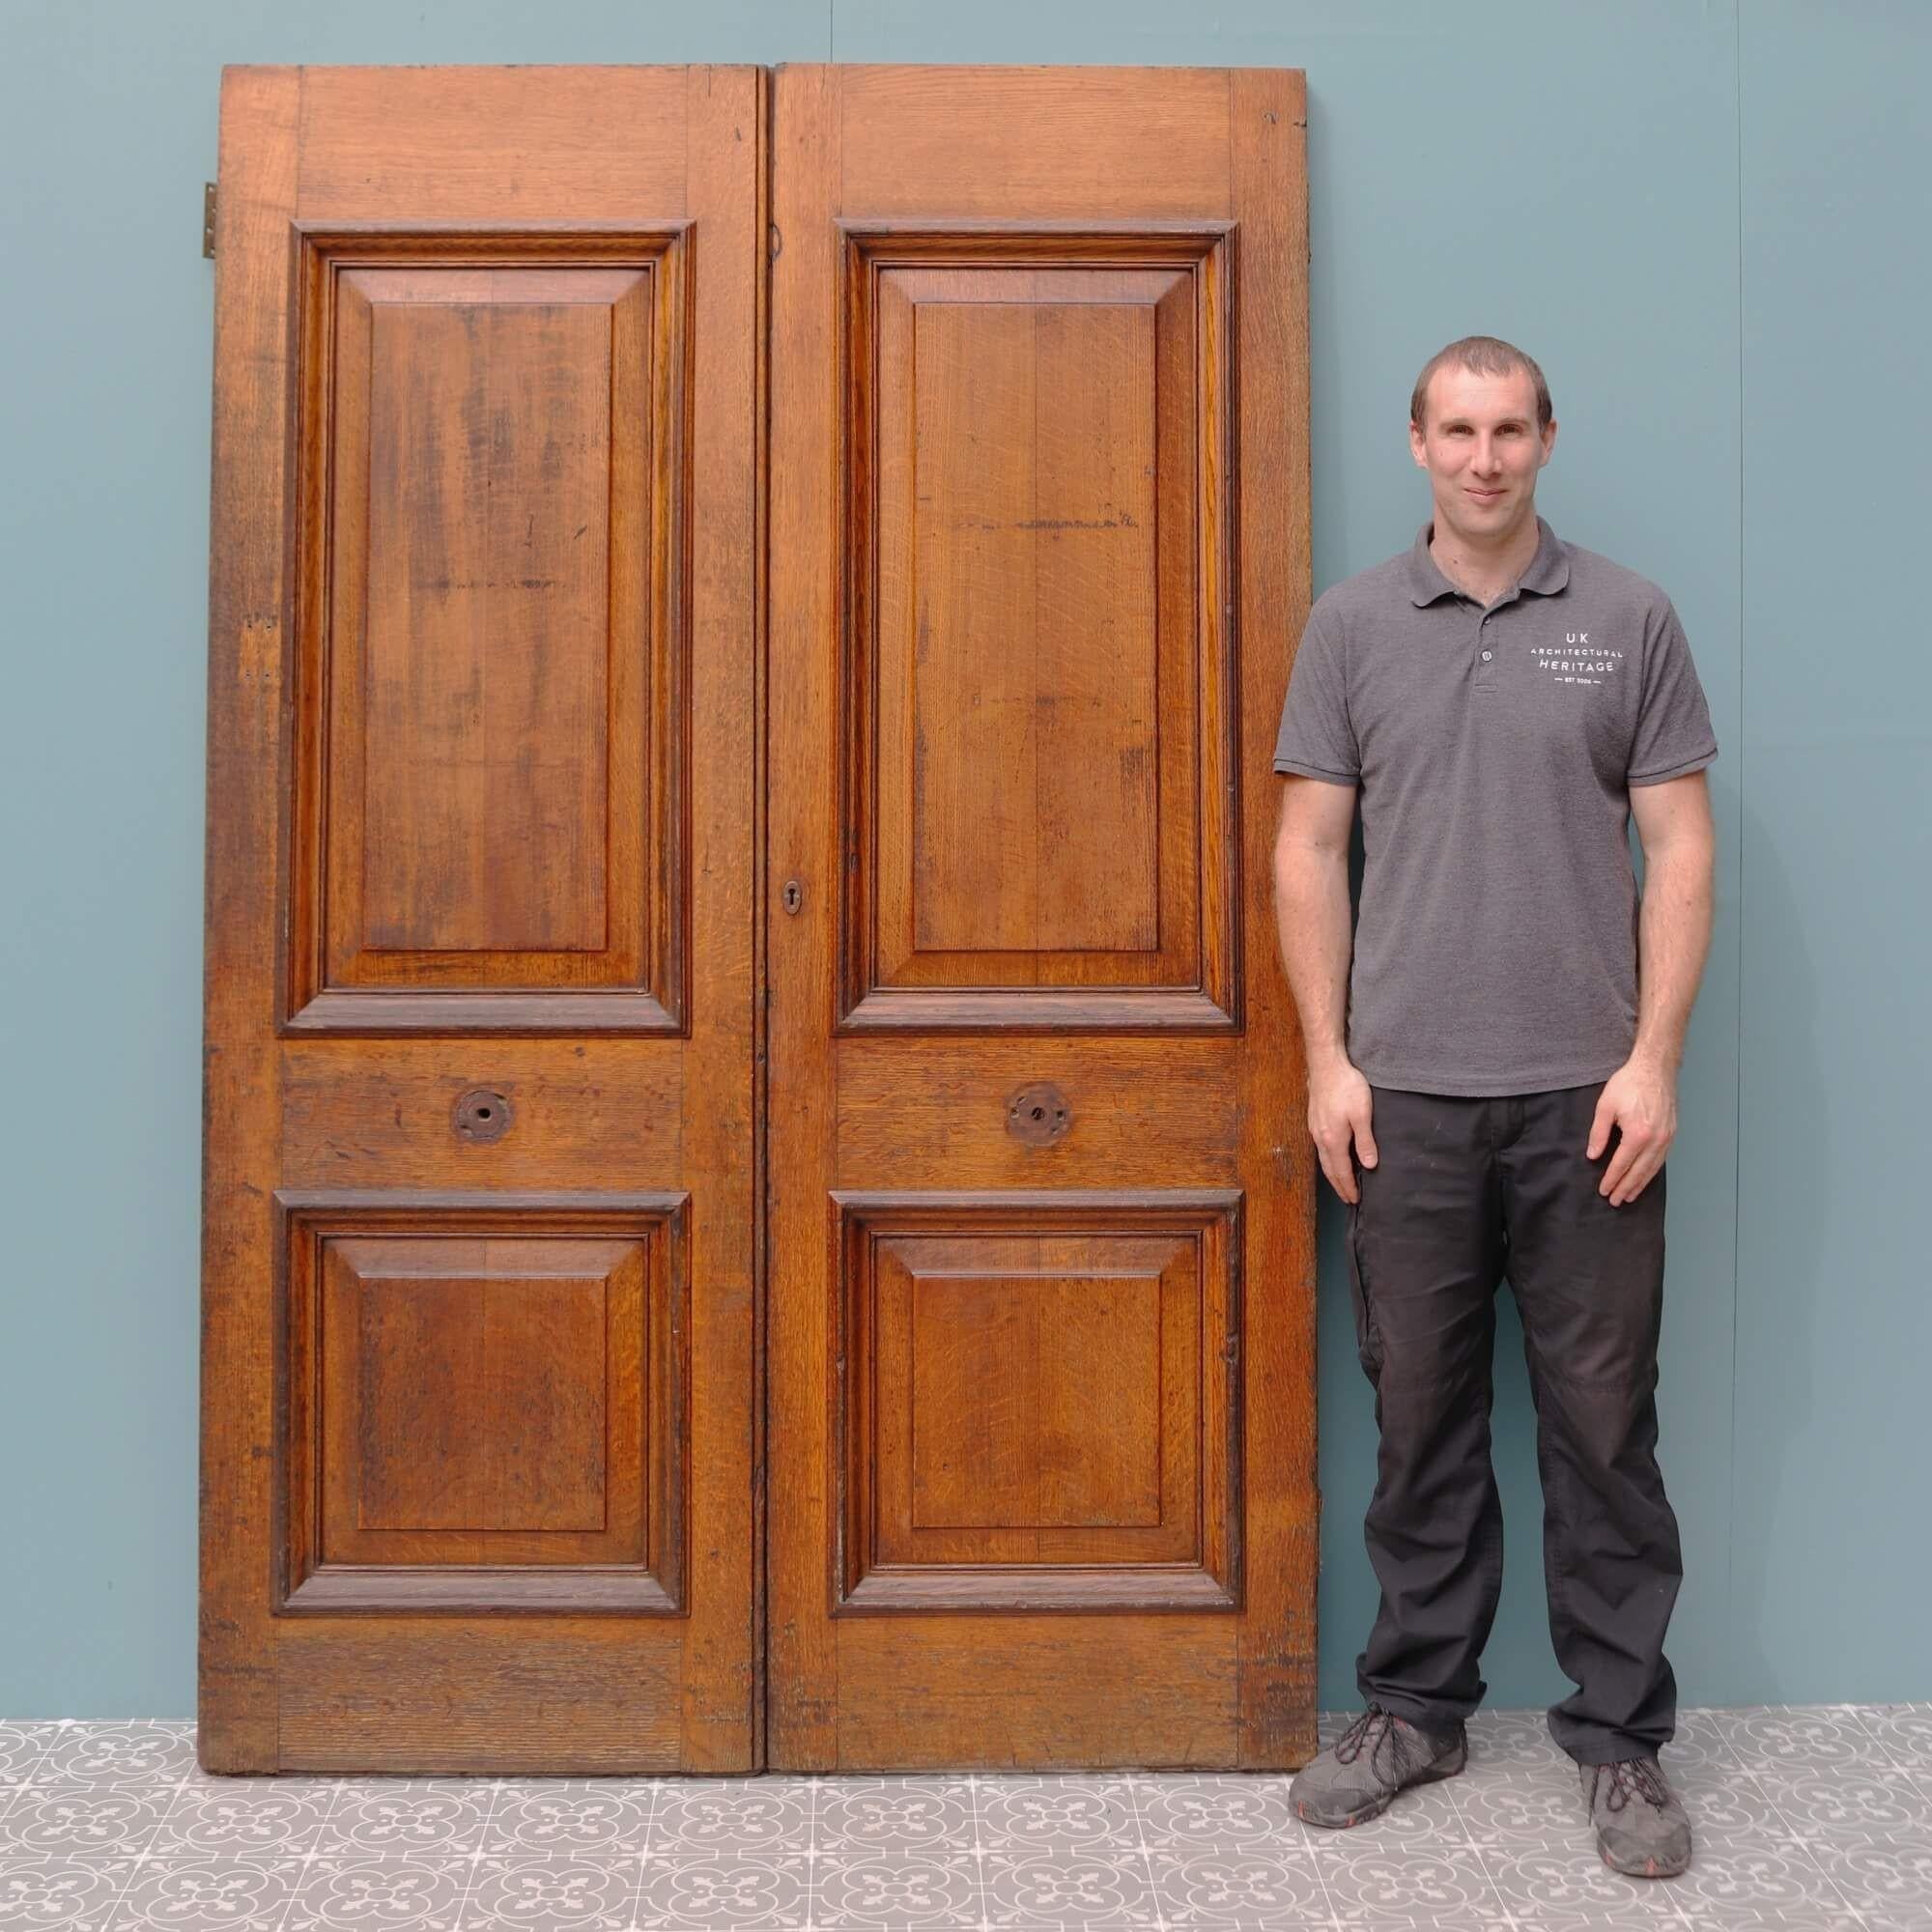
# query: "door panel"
480, 1389
1040, 1328
1041, 834
1042, 1402
490, 782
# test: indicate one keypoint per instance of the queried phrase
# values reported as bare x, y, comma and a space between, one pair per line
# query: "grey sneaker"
1641, 1825
1358, 1776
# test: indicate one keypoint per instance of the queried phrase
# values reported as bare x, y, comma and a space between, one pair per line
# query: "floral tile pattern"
1813, 1818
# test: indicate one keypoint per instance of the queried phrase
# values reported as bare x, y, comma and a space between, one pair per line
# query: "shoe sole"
1375, 1806
1650, 1869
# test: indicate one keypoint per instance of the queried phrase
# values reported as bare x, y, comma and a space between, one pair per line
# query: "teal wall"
1707, 220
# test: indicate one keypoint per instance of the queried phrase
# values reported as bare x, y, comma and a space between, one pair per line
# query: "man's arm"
1311, 904
1311, 892
1673, 820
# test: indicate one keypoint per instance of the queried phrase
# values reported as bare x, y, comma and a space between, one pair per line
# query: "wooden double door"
753, 1198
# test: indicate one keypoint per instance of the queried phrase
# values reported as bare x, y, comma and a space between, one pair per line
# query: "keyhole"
793, 895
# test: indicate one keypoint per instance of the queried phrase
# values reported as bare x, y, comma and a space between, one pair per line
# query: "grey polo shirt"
1496, 947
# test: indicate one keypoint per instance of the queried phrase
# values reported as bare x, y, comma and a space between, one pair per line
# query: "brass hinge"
208, 220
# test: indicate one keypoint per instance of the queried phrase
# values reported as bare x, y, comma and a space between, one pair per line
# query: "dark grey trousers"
1466, 1191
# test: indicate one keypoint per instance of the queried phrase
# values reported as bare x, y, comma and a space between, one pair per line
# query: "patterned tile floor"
1812, 1817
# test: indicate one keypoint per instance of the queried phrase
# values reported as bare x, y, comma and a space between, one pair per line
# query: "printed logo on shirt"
1576, 660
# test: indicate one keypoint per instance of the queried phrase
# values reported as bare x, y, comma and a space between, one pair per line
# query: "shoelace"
1375, 1728
1638, 1777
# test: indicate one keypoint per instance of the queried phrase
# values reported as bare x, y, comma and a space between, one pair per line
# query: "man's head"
1480, 423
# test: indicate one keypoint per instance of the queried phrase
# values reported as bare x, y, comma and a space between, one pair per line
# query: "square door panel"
1039, 718
1038, 1406
490, 613
485, 1403
468, 1387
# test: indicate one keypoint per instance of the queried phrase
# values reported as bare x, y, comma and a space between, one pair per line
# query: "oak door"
479, 1368
528, 1412
1039, 1341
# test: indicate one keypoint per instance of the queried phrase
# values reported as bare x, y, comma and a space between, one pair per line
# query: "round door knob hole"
483, 1114
1039, 1114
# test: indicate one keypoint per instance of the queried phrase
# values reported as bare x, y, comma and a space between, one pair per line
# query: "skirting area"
1807, 1817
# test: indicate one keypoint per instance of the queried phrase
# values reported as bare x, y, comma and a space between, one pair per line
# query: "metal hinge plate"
208, 220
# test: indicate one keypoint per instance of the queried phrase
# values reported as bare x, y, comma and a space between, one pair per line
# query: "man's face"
1482, 452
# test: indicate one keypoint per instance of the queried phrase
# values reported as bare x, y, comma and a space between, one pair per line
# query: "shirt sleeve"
1316, 738
1673, 732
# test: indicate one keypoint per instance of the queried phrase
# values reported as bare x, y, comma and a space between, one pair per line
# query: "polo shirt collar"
1548, 573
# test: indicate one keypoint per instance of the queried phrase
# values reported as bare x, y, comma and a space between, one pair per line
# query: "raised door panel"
1041, 1402
486, 1405
491, 685
1039, 726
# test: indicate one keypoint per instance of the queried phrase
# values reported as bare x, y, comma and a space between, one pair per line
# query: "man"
1503, 1094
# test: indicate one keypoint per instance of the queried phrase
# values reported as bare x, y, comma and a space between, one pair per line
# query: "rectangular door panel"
480, 1389
485, 1403
1040, 732
490, 708
1040, 1328
1039, 1402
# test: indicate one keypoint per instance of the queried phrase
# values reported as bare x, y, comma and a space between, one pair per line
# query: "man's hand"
1339, 1107
1640, 1101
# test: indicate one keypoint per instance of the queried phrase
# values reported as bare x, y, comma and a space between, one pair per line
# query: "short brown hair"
1480, 355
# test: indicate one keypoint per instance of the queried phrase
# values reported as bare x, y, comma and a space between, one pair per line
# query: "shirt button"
1485, 657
